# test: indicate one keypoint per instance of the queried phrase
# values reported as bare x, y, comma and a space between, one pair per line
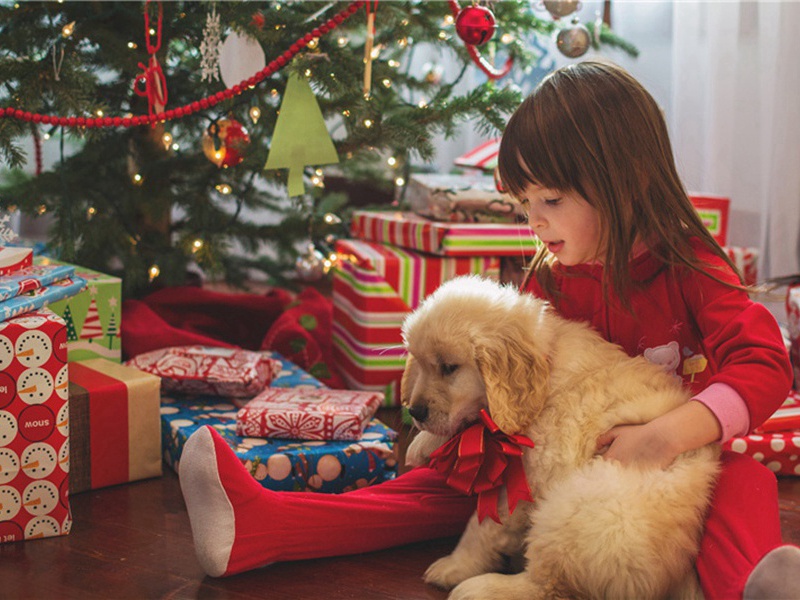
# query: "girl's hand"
657, 443
644, 446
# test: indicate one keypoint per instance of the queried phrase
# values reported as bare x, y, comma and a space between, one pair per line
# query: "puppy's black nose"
419, 412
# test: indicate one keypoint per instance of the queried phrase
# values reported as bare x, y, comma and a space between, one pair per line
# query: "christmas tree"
172, 127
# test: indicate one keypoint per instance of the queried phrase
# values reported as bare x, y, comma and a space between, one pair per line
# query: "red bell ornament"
475, 25
225, 142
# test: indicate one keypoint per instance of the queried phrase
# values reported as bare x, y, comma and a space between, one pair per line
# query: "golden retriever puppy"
595, 528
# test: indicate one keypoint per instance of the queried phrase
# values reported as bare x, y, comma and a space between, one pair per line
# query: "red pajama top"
726, 348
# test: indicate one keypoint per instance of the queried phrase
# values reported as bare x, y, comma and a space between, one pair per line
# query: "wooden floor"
133, 541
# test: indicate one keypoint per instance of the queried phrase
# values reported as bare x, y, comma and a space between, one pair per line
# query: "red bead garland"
195, 106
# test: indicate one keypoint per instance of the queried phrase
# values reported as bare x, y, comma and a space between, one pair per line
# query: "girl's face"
566, 223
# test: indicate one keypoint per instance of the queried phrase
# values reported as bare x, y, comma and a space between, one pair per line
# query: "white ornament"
6, 233
210, 46
240, 57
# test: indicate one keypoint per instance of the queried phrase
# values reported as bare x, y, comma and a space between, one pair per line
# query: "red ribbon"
152, 76
481, 460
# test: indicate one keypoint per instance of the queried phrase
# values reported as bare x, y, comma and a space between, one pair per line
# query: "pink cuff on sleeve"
728, 407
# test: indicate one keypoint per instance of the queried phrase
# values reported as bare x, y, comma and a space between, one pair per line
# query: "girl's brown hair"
592, 128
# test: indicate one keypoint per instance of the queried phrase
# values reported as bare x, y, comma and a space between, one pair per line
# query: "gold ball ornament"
561, 8
574, 41
225, 142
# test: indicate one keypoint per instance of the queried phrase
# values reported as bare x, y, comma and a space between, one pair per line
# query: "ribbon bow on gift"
482, 459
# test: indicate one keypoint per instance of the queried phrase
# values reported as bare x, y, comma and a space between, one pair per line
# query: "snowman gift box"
34, 427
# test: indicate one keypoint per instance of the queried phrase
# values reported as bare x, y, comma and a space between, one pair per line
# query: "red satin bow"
482, 459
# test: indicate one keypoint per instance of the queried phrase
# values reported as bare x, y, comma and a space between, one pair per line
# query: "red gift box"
34, 427
786, 418
116, 424
308, 414
227, 372
713, 211
778, 451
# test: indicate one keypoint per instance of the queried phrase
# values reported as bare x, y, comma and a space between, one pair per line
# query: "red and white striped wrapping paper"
409, 230
483, 156
308, 414
374, 288
227, 372
746, 260
34, 428
786, 418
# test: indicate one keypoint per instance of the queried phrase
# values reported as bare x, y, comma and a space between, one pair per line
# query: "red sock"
238, 525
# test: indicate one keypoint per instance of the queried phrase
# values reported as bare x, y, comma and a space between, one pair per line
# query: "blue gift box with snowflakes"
278, 464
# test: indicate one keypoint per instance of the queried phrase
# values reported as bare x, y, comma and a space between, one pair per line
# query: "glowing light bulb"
68, 29
138, 179
224, 188
153, 272
255, 113
197, 245
399, 182
391, 161
368, 123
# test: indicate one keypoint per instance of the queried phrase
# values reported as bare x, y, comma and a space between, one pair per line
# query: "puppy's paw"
419, 451
449, 571
495, 585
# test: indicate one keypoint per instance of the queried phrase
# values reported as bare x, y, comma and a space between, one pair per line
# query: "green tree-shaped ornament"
72, 335
301, 137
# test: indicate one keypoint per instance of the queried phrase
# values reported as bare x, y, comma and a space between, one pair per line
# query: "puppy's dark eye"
448, 369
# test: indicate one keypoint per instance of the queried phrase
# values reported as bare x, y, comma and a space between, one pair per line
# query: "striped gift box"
374, 288
412, 231
746, 260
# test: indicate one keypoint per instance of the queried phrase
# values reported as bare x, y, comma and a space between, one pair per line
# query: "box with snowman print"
279, 464
34, 428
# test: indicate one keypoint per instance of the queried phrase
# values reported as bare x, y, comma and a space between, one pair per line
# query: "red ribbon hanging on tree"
481, 460
152, 77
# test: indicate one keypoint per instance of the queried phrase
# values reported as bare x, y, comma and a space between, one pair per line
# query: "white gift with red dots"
34, 428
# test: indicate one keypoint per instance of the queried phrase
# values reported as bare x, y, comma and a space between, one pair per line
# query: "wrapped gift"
227, 372
483, 156
41, 297
116, 430
308, 414
786, 418
746, 260
93, 316
34, 428
468, 198
779, 451
14, 258
32, 278
374, 288
409, 230
284, 465
713, 211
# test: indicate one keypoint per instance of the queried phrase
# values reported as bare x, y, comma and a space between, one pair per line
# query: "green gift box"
93, 317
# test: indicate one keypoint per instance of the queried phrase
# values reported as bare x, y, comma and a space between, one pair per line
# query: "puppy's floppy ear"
516, 374
410, 374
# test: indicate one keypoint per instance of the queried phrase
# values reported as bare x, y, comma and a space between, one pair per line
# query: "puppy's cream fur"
595, 529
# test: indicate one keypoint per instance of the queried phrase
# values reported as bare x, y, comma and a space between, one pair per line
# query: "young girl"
589, 155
